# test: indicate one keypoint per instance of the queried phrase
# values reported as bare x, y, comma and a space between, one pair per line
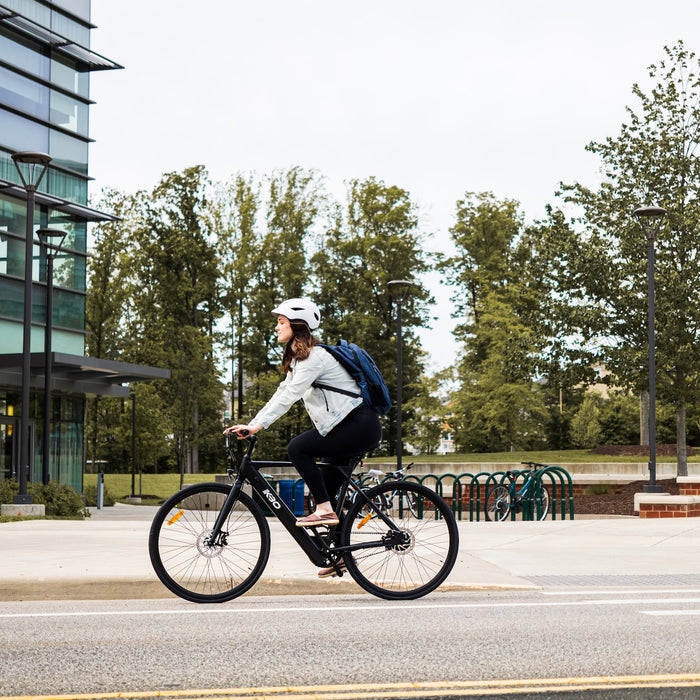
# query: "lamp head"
650, 212
399, 288
650, 220
51, 237
35, 165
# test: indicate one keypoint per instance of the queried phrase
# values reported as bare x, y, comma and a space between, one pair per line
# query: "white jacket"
325, 408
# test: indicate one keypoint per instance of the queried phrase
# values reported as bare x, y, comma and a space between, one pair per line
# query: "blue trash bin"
292, 493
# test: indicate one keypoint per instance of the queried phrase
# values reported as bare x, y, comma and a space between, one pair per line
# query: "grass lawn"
155, 488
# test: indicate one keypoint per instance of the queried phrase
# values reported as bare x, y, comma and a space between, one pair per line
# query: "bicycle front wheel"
498, 503
410, 559
189, 564
541, 503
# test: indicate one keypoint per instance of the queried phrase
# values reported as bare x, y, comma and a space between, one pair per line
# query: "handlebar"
230, 440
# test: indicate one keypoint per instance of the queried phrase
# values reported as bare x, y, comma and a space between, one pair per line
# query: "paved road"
471, 638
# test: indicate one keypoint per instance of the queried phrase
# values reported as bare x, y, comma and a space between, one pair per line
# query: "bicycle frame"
520, 494
316, 547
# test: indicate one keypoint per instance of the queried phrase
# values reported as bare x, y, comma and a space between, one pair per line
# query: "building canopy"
76, 374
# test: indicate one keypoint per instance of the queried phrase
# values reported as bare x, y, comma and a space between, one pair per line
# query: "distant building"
45, 66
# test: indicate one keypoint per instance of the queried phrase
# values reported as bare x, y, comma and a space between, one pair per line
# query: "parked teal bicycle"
506, 499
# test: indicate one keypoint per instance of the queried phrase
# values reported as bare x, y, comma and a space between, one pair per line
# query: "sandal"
330, 571
313, 520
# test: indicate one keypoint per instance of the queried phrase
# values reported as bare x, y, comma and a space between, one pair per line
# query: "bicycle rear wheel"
195, 569
411, 560
541, 504
498, 503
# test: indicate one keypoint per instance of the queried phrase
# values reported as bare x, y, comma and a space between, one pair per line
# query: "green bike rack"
556, 479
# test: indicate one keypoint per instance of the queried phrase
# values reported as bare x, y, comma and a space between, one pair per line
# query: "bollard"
100, 489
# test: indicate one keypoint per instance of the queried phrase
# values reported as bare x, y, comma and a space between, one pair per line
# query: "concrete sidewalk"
106, 556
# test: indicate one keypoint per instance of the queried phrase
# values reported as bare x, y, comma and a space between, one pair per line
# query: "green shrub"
90, 492
60, 500
8, 488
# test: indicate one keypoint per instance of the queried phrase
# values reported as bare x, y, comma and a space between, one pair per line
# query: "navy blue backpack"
362, 369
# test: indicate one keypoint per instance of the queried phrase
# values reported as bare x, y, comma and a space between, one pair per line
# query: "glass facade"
45, 64
65, 443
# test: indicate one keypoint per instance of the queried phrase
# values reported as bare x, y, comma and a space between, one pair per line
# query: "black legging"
357, 433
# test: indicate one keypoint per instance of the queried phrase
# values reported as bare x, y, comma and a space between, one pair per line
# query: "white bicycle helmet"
300, 310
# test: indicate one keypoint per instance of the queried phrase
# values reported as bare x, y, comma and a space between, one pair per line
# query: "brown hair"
300, 346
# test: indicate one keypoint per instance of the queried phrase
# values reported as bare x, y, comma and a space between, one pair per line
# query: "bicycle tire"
413, 560
498, 503
541, 502
192, 569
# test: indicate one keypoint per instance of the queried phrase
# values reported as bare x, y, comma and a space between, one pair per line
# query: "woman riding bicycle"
343, 425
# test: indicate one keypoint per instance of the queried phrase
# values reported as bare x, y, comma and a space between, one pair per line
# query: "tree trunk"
644, 418
681, 450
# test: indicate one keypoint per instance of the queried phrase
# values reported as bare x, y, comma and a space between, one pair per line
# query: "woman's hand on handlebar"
242, 430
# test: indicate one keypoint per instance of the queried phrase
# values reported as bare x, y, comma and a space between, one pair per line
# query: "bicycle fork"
217, 536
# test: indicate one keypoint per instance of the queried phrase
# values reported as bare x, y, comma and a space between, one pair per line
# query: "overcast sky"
438, 97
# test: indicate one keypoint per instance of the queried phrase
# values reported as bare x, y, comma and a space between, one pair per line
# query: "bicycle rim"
190, 567
542, 503
410, 561
498, 503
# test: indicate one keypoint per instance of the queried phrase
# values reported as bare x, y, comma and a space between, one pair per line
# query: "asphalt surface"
106, 557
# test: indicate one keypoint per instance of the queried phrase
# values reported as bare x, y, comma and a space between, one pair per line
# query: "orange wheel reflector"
176, 517
364, 521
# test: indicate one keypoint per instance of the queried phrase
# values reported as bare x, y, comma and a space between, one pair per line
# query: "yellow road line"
396, 690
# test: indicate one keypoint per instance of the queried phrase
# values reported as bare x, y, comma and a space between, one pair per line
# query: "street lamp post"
399, 290
46, 235
31, 167
133, 445
650, 220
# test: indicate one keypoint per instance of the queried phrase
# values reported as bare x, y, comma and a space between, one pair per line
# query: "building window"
69, 152
68, 113
22, 134
24, 94
65, 74
23, 53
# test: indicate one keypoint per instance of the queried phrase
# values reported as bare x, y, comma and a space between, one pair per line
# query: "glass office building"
45, 66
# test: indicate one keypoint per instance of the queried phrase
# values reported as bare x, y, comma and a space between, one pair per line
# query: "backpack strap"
319, 385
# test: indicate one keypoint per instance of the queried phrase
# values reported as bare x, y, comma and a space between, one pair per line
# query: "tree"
483, 235
374, 240
233, 213
603, 251
498, 406
175, 304
428, 414
108, 293
497, 298
585, 425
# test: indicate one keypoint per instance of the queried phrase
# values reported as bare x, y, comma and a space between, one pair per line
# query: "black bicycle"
210, 542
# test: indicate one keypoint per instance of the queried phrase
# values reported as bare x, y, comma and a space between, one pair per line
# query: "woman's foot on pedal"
333, 570
318, 519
